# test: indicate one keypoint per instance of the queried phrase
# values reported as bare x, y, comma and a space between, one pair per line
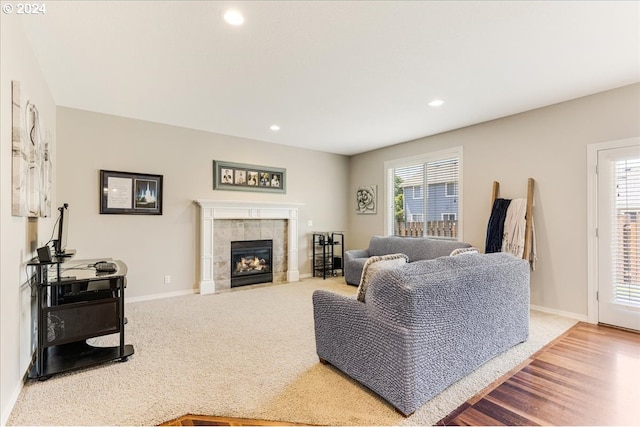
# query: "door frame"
592, 219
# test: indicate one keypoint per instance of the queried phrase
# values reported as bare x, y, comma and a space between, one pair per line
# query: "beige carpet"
247, 353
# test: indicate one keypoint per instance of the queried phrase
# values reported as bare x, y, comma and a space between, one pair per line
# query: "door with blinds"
618, 171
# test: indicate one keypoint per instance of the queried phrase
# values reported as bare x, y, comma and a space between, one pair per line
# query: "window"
435, 177
417, 192
451, 189
625, 250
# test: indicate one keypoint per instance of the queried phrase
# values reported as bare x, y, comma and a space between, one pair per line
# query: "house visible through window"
423, 195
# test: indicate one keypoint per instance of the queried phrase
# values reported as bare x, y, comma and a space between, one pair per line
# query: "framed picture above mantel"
244, 177
130, 193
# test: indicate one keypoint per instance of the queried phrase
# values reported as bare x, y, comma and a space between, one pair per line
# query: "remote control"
105, 267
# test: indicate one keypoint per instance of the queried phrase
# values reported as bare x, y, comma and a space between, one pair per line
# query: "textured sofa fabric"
416, 248
373, 265
425, 325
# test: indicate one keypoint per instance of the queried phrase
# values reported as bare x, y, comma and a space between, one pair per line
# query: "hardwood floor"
588, 376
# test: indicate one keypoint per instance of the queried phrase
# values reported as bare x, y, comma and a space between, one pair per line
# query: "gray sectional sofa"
416, 248
425, 324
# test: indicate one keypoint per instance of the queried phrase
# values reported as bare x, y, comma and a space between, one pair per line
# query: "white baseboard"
576, 316
161, 296
12, 402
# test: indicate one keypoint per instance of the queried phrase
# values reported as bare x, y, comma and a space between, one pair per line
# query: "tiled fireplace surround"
224, 221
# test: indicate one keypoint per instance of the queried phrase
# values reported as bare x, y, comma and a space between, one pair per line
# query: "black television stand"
71, 310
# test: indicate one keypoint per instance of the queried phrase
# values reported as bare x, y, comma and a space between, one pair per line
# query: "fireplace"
224, 221
251, 262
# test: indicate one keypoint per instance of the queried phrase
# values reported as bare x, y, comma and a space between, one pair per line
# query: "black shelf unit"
71, 310
328, 253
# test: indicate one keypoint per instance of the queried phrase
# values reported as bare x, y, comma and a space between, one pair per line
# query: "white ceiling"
337, 76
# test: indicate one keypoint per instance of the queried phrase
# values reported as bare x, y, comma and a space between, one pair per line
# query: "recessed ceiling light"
275, 128
233, 17
436, 103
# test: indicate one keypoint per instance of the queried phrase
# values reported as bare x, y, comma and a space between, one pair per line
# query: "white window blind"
625, 251
437, 176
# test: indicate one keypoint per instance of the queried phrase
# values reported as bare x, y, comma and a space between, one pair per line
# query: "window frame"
446, 190
424, 158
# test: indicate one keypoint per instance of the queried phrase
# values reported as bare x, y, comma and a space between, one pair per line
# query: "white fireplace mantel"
211, 210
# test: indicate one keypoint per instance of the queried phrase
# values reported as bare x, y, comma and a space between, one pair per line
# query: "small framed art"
366, 198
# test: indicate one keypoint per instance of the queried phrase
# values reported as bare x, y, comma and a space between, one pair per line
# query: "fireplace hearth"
251, 262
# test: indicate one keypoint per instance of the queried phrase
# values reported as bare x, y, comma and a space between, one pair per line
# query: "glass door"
618, 237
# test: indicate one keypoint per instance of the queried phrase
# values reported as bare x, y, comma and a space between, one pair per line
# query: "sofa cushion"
374, 264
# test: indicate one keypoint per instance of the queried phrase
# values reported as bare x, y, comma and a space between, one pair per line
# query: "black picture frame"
244, 177
130, 193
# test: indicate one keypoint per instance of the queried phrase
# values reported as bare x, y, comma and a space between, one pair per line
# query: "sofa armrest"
355, 254
354, 260
369, 349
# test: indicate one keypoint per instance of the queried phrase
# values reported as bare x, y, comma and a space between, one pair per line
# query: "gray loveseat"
416, 248
424, 325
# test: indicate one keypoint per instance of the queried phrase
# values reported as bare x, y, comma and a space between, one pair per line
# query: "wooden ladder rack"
529, 216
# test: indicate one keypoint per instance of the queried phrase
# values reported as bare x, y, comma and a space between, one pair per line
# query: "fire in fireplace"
251, 262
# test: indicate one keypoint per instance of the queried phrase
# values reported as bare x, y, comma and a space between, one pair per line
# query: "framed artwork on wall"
130, 193
244, 177
32, 176
366, 199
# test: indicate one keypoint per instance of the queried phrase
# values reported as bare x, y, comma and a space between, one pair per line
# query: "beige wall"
155, 246
20, 236
548, 144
